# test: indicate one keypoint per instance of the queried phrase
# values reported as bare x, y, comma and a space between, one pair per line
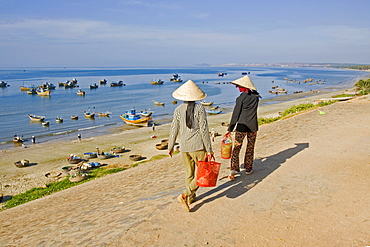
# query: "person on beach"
191, 126
33, 139
244, 121
79, 137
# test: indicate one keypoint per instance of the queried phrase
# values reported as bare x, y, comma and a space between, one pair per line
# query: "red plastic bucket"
207, 172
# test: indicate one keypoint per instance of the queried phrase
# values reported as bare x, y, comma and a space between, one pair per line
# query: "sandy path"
310, 188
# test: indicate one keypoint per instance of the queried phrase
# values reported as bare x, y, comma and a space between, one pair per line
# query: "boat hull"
143, 122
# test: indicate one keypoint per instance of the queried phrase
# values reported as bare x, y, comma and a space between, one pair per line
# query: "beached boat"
80, 92
213, 112
36, 118
3, 84
206, 103
132, 118
42, 92
104, 155
17, 139
117, 84
158, 103
116, 150
104, 114
157, 82
90, 155
146, 113
89, 114
22, 163
93, 86
74, 159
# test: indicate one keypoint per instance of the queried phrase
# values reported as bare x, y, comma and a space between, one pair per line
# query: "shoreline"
51, 156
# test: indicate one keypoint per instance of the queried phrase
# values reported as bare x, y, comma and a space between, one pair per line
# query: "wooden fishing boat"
3, 84
116, 150
132, 118
80, 92
103, 82
43, 92
206, 103
74, 160
158, 103
146, 113
36, 118
104, 156
58, 119
47, 86
71, 84
117, 84
26, 88
104, 114
22, 163
135, 157
74, 117
174, 102
90, 155
89, 114
32, 91
157, 82
93, 86
17, 139
213, 112
46, 123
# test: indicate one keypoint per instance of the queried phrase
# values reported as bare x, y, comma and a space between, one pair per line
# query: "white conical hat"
189, 91
246, 82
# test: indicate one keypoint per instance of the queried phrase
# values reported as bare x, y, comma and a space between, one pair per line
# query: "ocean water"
137, 93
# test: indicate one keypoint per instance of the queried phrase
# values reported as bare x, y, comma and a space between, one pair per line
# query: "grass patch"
293, 110
51, 188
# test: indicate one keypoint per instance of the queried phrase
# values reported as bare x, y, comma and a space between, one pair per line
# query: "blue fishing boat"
131, 117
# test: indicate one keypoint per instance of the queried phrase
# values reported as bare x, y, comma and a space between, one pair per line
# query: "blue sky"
143, 33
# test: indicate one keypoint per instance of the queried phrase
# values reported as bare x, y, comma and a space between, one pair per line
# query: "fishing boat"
157, 82
104, 114
26, 88
71, 84
213, 112
80, 92
58, 119
132, 118
22, 163
117, 84
74, 117
158, 103
93, 86
43, 92
146, 113
32, 91
176, 78
206, 103
17, 139
89, 114
103, 82
3, 84
46, 124
47, 86
36, 118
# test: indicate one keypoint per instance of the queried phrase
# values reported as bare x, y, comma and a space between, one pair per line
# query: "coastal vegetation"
51, 188
360, 67
363, 86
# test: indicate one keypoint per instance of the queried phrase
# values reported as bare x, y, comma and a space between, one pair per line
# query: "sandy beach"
310, 188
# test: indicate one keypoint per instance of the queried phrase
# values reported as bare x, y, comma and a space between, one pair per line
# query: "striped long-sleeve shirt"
190, 139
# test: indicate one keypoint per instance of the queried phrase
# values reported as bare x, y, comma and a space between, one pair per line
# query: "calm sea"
137, 93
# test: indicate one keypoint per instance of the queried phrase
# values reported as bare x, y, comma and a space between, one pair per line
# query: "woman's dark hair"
190, 114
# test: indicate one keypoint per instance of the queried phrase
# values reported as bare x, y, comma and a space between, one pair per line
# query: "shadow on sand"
262, 168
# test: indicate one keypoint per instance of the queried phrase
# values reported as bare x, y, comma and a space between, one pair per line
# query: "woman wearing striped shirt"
191, 127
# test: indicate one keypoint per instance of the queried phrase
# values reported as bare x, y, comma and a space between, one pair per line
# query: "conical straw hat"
189, 91
246, 82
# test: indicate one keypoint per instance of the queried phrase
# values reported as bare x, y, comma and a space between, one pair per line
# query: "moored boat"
103, 82
59, 119
36, 118
89, 114
146, 113
206, 103
158, 103
117, 84
132, 118
46, 124
80, 92
3, 84
104, 114
157, 82
93, 86
42, 92
74, 117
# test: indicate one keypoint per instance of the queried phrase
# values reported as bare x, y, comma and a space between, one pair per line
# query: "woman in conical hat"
191, 127
245, 123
